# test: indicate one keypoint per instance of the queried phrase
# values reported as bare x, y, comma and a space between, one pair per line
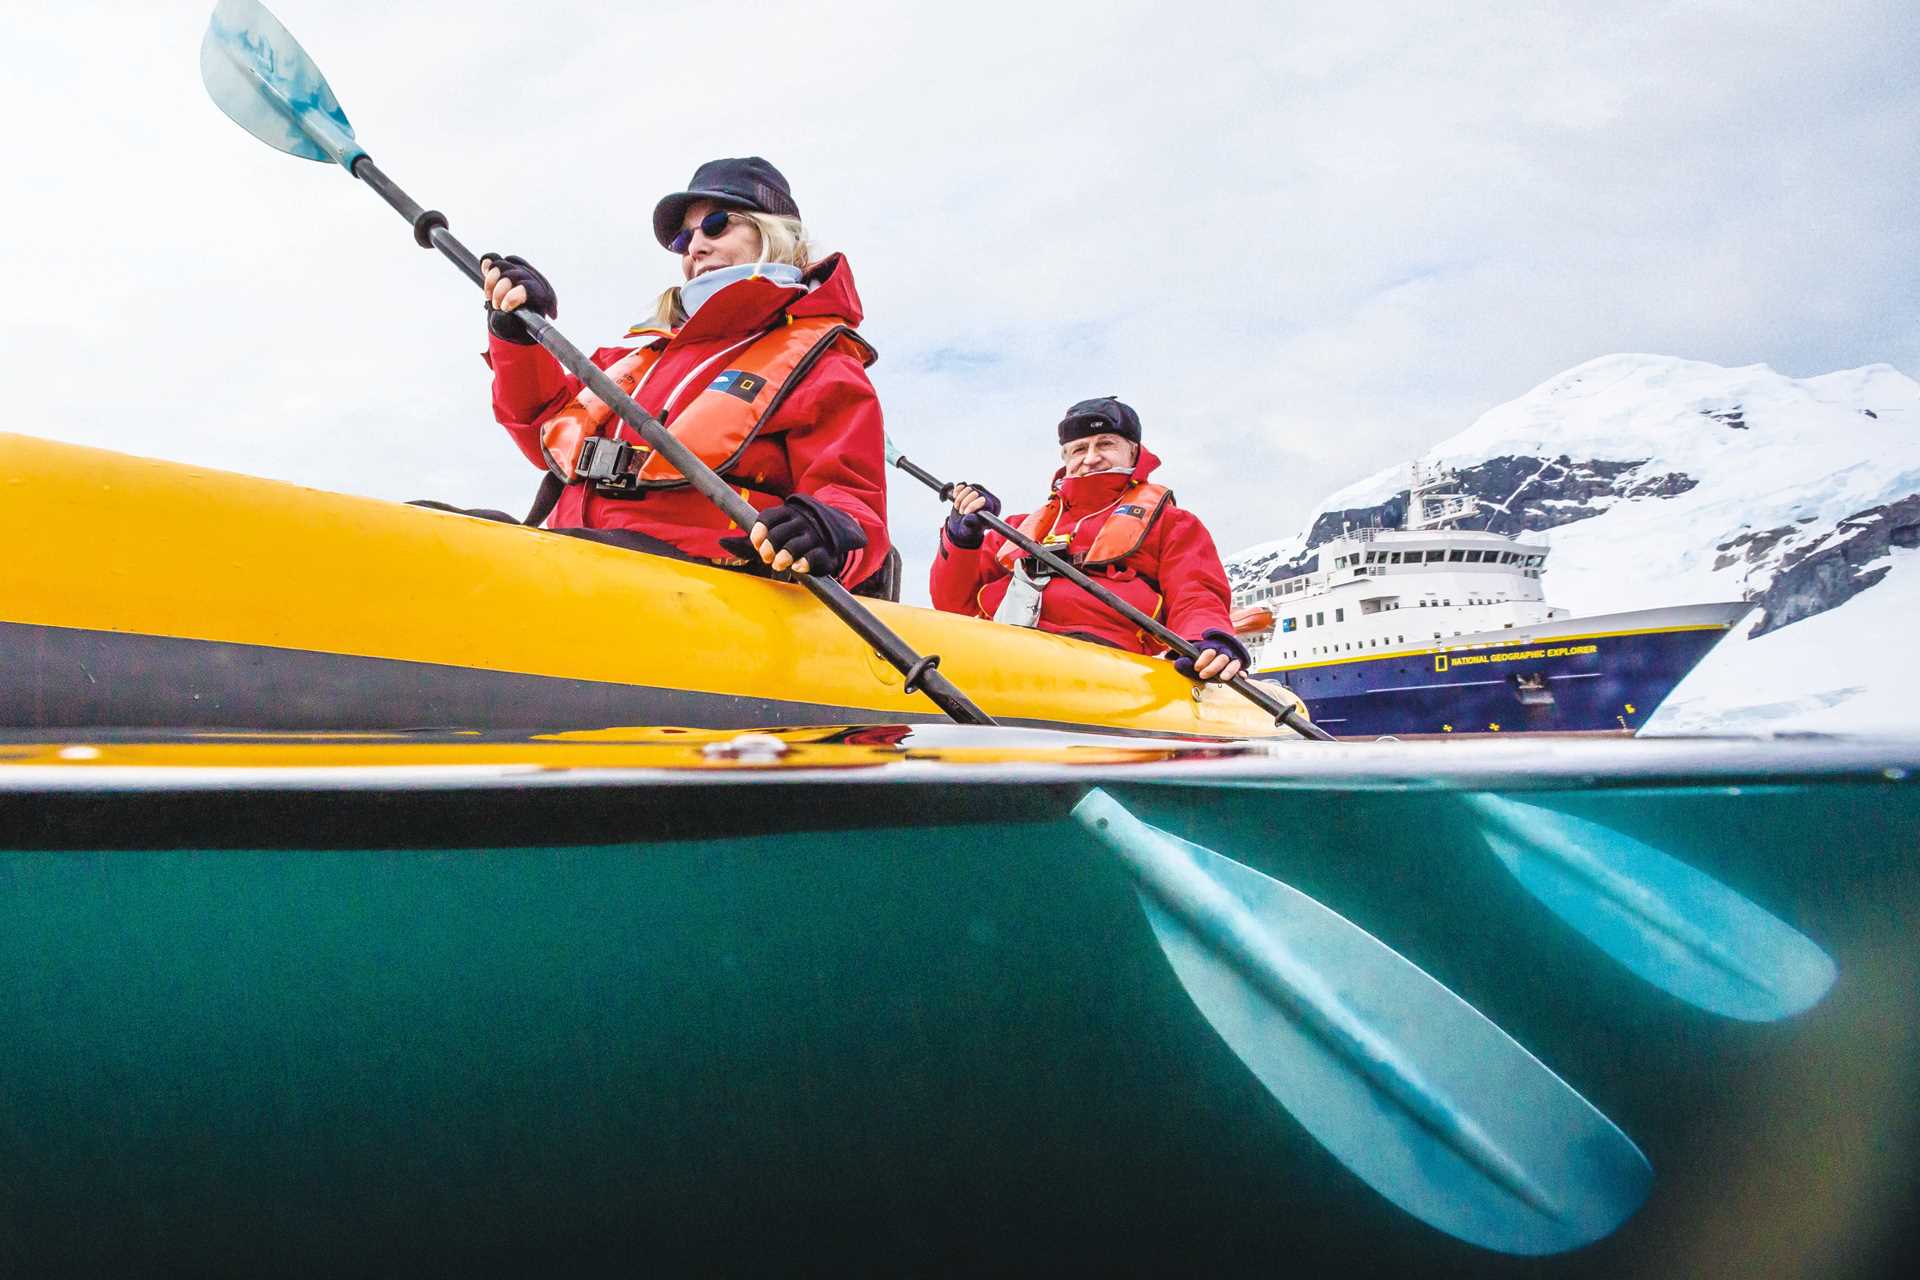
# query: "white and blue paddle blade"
1674, 926
260, 76
1413, 1089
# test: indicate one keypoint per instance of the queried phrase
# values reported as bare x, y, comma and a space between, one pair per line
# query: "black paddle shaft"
922, 674
1283, 713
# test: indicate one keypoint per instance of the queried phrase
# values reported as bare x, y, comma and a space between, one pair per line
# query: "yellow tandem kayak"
173, 595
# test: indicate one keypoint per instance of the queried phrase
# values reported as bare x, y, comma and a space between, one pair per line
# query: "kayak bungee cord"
1417, 1092
259, 75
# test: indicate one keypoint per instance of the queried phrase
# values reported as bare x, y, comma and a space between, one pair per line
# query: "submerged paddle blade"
1676, 927
260, 76
1408, 1085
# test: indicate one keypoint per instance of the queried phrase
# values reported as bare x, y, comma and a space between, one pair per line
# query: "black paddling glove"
967, 532
809, 530
1220, 642
506, 325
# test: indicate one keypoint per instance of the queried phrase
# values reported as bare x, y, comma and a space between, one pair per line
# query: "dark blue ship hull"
1583, 675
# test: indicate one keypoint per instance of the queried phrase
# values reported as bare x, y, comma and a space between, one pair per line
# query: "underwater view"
882, 1045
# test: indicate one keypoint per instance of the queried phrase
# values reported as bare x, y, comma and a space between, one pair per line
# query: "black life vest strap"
545, 499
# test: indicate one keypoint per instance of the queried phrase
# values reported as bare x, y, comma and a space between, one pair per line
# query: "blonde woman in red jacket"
752, 361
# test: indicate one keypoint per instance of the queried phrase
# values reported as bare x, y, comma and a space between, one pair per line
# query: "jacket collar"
749, 305
1143, 466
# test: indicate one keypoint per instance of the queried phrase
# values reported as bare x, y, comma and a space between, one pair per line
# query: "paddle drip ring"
429, 221
918, 670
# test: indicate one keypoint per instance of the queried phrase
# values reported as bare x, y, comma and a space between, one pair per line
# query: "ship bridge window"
1473, 557
1393, 557
1435, 557
1456, 556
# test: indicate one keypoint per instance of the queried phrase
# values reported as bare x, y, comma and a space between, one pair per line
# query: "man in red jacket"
1121, 529
753, 362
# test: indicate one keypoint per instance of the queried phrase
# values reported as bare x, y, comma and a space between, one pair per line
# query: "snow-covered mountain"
1666, 481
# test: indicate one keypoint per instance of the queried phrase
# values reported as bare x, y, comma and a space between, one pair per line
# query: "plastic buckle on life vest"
1039, 570
606, 464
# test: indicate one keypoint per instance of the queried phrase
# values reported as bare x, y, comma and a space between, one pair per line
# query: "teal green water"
904, 1049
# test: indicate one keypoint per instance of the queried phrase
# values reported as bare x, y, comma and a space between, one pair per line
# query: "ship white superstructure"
1379, 590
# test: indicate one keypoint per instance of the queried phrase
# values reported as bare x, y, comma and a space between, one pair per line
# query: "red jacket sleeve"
1192, 578
836, 446
960, 574
529, 386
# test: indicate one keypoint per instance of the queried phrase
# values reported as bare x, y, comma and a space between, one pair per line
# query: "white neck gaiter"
695, 292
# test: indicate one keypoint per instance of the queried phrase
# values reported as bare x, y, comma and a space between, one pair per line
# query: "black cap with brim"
1105, 413
746, 182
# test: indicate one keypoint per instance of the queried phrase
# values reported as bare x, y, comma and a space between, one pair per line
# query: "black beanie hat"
1103, 413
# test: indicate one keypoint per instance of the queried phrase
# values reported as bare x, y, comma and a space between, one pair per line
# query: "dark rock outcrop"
1836, 568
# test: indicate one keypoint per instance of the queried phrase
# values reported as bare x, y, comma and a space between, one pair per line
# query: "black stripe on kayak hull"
68, 678
504, 817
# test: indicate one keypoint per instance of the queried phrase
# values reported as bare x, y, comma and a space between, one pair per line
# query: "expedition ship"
1435, 629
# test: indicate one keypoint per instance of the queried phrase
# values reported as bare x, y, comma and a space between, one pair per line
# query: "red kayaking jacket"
826, 440
1175, 577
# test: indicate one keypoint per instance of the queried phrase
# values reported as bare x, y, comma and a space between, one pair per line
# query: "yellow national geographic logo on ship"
1442, 662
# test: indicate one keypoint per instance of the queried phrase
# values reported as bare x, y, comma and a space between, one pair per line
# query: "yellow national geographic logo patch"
738, 383
1439, 662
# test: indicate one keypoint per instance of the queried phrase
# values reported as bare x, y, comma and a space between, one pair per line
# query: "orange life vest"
745, 384
1118, 537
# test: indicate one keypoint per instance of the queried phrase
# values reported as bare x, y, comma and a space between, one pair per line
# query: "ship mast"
1432, 500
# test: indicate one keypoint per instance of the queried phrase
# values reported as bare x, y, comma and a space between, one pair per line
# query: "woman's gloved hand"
510, 283
965, 529
802, 534
1221, 658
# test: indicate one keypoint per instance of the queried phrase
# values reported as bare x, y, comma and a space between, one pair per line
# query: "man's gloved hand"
1222, 657
510, 283
965, 529
802, 534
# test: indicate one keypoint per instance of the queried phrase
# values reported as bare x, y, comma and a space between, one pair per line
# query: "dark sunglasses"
712, 227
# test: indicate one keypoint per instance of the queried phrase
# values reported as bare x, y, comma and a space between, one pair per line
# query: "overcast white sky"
1305, 241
